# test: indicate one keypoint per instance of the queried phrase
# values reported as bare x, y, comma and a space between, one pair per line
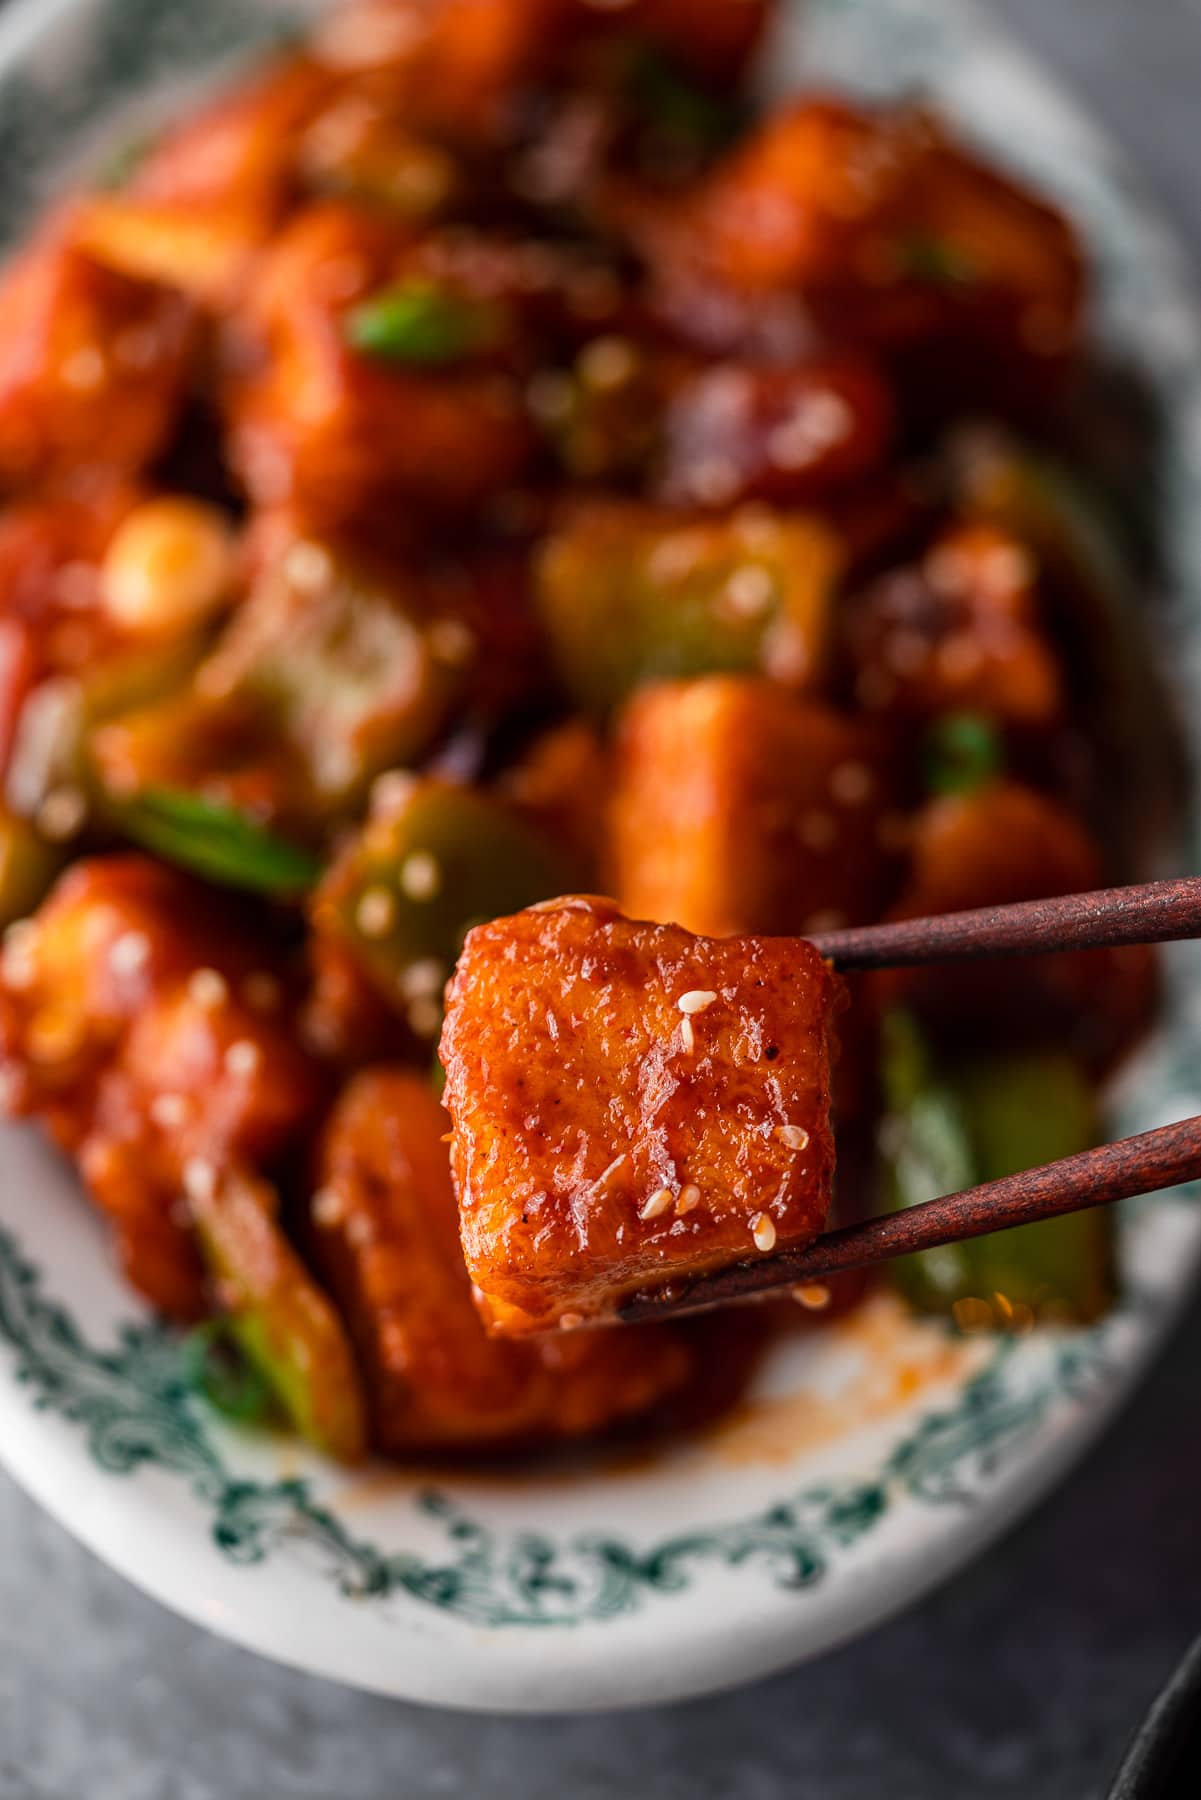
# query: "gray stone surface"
1021, 1679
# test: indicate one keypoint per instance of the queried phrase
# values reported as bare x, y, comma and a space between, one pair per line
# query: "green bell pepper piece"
404, 893
628, 595
280, 1319
950, 1126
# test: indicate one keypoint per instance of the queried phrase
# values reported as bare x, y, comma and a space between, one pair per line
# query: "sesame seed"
263, 991
326, 1206
763, 1231
391, 792
749, 591
690, 1198
813, 1295
570, 1321
425, 1017
713, 481
550, 397
794, 1137
451, 642
309, 566
62, 814
85, 370
790, 446
360, 1230
420, 875
243, 1058
675, 556
657, 1204
608, 362
852, 783
687, 1035
375, 913
423, 979
208, 988
168, 1111
1007, 566
18, 965
786, 653
696, 1000
199, 1179
130, 953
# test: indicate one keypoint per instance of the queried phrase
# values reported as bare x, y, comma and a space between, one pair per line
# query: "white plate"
874, 1456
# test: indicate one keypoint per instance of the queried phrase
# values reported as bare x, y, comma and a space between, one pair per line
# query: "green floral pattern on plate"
134, 1406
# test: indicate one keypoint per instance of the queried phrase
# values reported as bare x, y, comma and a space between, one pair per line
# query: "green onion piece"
936, 261
216, 1366
962, 752
217, 842
422, 324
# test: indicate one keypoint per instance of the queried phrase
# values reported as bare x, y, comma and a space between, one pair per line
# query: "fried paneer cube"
146, 1029
93, 363
631, 1103
960, 631
879, 228
739, 808
207, 194
789, 435
1000, 843
342, 411
385, 1232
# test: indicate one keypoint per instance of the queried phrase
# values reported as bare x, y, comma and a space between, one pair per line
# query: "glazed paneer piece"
738, 808
629, 593
788, 435
147, 1030
366, 386
960, 631
1007, 842
385, 1232
92, 363
889, 234
206, 195
630, 1104
459, 68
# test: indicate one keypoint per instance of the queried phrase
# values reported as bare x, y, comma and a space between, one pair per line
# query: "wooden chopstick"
1152, 912
1155, 912
1133, 1165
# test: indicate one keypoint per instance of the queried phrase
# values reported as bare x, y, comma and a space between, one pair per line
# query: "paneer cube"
631, 1104
93, 364
386, 1237
738, 808
962, 630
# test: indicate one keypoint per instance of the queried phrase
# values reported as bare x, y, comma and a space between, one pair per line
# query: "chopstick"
1154, 912
1151, 912
1134, 1165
